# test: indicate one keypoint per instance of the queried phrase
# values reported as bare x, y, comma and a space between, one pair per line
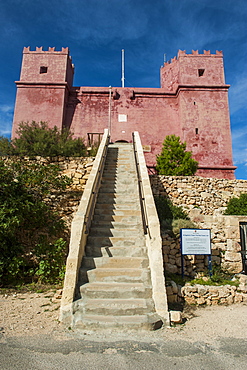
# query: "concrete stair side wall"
153, 237
78, 234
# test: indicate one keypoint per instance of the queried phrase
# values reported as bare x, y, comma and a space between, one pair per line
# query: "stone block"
169, 290
190, 300
202, 290
176, 317
229, 300
233, 256
244, 297
174, 287
238, 298
171, 268
201, 301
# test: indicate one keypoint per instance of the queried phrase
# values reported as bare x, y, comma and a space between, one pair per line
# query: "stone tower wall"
43, 89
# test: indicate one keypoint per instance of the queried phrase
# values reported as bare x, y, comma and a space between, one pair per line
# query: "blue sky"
96, 30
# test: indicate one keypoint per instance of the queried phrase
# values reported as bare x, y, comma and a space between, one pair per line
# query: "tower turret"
42, 91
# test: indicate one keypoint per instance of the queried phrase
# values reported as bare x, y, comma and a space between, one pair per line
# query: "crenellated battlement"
182, 53
51, 50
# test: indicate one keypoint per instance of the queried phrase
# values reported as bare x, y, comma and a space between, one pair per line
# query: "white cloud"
239, 143
6, 117
238, 94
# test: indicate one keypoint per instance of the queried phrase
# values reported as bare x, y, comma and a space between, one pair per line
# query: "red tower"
191, 103
43, 89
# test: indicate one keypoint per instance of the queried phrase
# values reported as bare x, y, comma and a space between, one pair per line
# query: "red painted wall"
191, 103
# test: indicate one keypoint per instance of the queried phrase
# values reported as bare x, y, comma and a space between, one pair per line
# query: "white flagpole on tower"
122, 68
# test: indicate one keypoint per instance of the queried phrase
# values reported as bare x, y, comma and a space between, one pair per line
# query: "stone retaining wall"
208, 194
207, 294
205, 200
225, 243
78, 169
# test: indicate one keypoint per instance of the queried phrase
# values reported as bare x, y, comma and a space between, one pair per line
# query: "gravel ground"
27, 314
31, 337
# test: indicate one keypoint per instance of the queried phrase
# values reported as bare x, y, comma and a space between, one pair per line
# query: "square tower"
42, 92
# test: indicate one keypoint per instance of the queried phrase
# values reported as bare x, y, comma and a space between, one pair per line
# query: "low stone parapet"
208, 294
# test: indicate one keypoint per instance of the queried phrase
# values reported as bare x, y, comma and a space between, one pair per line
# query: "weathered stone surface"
176, 317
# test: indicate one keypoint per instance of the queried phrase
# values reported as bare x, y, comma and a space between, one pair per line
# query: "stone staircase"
114, 287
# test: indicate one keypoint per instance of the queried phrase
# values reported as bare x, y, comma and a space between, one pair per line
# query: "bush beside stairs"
114, 287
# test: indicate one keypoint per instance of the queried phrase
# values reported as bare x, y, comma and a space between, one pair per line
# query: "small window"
196, 131
122, 118
43, 69
201, 72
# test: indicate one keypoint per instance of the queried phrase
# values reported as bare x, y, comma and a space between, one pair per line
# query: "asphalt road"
110, 351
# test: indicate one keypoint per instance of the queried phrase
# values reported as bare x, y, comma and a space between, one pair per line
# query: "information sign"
195, 241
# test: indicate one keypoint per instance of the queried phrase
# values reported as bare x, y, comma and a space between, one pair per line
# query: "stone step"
123, 232
133, 218
116, 290
119, 171
113, 181
116, 206
136, 322
110, 241
98, 251
116, 212
136, 223
126, 163
117, 198
116, 307
119, 189
115, 262
116, 275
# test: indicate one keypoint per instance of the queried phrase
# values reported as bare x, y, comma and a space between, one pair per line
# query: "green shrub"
237, 206
172, 217
181, 224
174, 160
167, 210
219, 277
37, 139
6, 147
30, 231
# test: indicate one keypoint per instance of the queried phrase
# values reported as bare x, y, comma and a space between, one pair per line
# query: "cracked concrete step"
116, 290
117, 275
115, 262
104, 251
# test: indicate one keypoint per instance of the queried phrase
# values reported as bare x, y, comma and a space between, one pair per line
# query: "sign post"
196, 242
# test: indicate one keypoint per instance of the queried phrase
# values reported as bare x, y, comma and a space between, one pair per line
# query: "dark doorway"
243, 241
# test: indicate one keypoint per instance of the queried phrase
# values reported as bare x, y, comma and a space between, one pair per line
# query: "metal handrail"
141, 192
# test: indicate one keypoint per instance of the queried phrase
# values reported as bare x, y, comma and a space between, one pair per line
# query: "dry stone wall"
205, 200
206, 294
212, 295
208, 194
